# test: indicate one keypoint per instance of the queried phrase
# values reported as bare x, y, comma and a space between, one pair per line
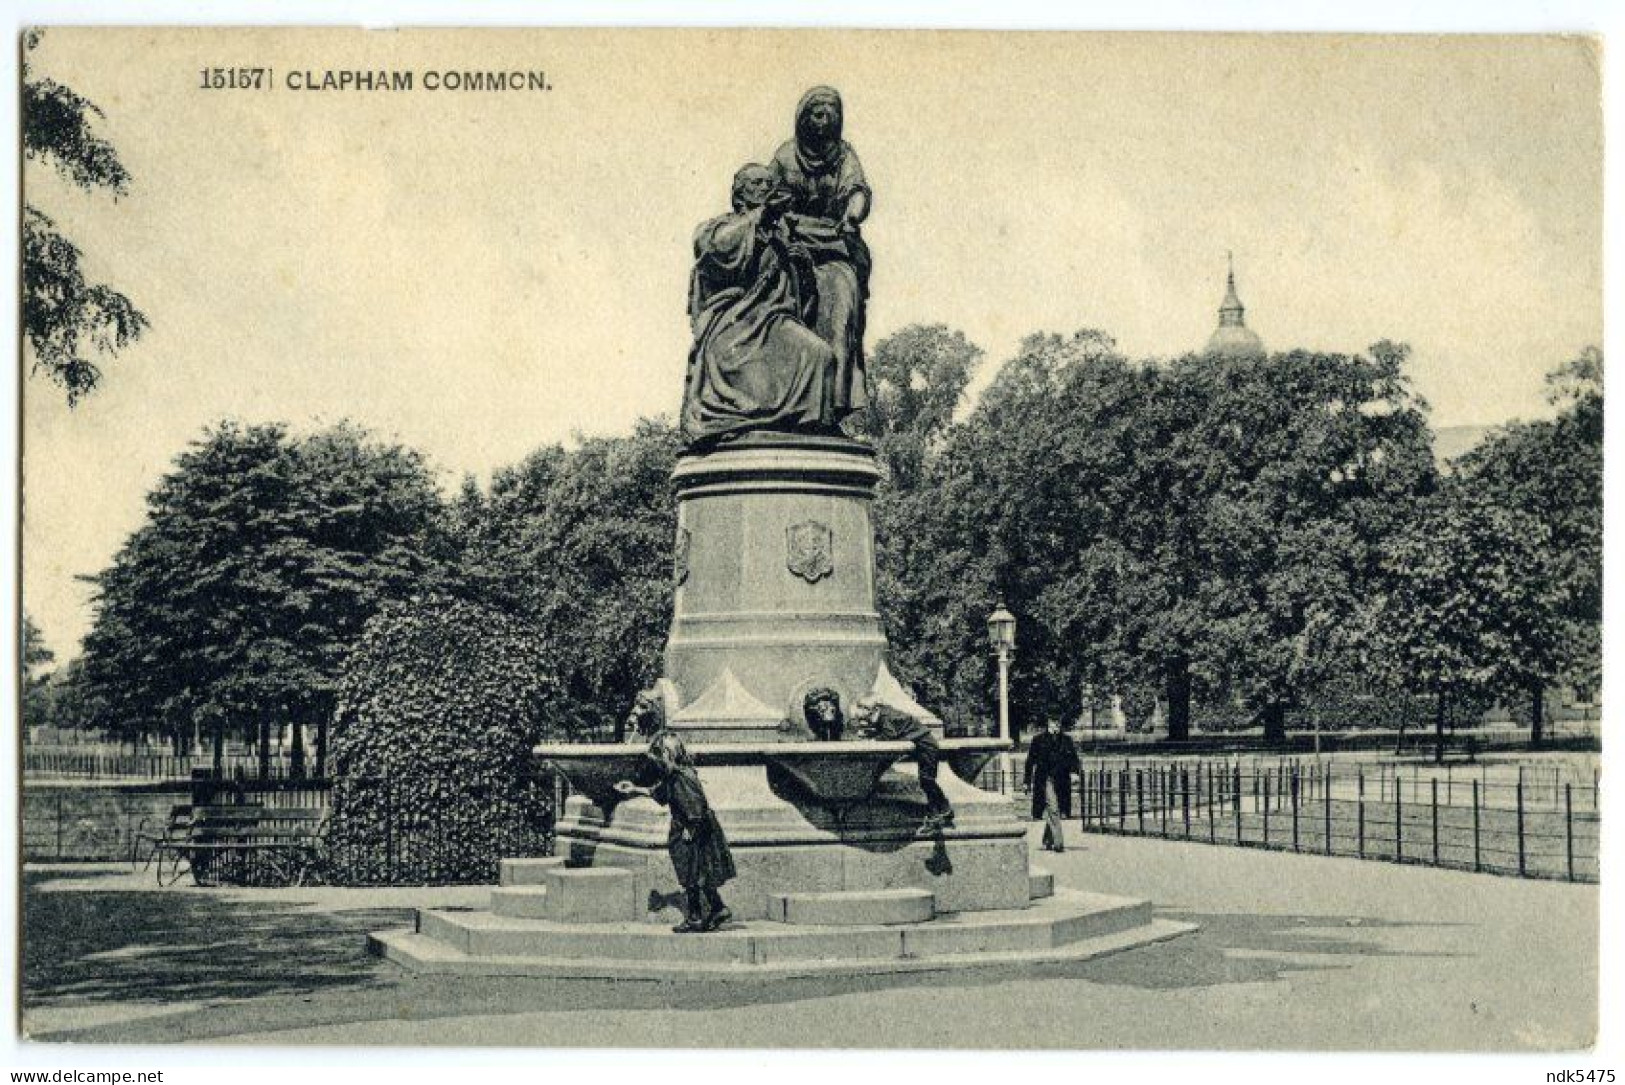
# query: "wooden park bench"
242, 845
148, 845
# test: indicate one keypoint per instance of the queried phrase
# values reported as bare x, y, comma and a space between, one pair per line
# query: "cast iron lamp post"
1001, 635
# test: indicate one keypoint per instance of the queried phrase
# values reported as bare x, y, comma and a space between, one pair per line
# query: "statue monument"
841, 866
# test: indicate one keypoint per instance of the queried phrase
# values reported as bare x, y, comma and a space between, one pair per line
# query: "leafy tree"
1463, 603
68, 321
1549, 476
1204, 527
439, 706
261, 558
36, 655
579, 542
1006, 503
1298, 467
918, 378
72, 707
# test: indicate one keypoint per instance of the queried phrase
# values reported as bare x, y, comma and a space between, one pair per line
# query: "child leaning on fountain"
885, 723
699, 850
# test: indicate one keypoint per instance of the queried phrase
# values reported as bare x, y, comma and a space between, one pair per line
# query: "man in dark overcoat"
1051, 760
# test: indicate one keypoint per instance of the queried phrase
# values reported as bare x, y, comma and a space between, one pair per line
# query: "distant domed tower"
1232, 338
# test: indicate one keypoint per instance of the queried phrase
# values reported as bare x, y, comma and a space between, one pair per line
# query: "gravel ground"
1295, 952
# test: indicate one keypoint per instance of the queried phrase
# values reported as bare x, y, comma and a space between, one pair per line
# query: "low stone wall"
85, 821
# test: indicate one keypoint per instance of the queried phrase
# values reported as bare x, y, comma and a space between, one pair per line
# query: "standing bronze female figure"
829, 199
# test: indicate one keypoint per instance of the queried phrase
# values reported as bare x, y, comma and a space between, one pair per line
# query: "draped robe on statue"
755, 364
822, 181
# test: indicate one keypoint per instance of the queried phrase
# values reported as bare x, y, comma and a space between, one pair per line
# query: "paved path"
1295, 952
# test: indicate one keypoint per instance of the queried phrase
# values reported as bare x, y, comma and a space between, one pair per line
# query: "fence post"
1360, 808
1568, 824
1521, 864
1185, 800
1235, 792
1399, 820
1213, 810
1325, 785
1122, 800
1435, 821
1294, 807
1139, 797
1159, 796
1169, 786
1477, 863
1266, 808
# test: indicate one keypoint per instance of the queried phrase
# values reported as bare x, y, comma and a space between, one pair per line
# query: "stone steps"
527, 871
1068, 927
1056, 922
520, 901
549, 889
1040, 884
853, 908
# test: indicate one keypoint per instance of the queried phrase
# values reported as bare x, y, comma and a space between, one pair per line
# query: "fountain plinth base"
785, 840
836, 874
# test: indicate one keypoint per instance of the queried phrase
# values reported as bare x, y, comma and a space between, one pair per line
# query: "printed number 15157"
234, 78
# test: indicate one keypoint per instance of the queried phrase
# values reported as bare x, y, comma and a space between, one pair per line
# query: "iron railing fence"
1486, 826
1542, 785
100, 765
374, 830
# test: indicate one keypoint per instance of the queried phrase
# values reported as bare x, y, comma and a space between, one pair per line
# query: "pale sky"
478, 274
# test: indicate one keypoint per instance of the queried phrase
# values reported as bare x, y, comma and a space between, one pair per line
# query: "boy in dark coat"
699, 850
878, 721
1051, 760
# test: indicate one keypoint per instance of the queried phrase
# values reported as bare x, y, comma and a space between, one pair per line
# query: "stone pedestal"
775, 569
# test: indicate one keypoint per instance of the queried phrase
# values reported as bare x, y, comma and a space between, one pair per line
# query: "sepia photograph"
688, 538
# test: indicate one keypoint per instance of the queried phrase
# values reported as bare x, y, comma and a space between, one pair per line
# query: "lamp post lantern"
1001, 636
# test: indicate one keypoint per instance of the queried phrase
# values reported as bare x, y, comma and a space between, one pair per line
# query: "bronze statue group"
779, 290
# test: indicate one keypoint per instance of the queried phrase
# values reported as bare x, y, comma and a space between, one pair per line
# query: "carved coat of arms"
810, 550
679, 556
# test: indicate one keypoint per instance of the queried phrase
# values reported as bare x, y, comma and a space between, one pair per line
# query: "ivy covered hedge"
439, 705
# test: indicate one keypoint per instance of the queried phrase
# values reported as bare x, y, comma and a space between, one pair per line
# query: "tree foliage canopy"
1239, 536
1548, 476
261, 558
1202, 527
69, 322
579, 542
35, 655
1464, 599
